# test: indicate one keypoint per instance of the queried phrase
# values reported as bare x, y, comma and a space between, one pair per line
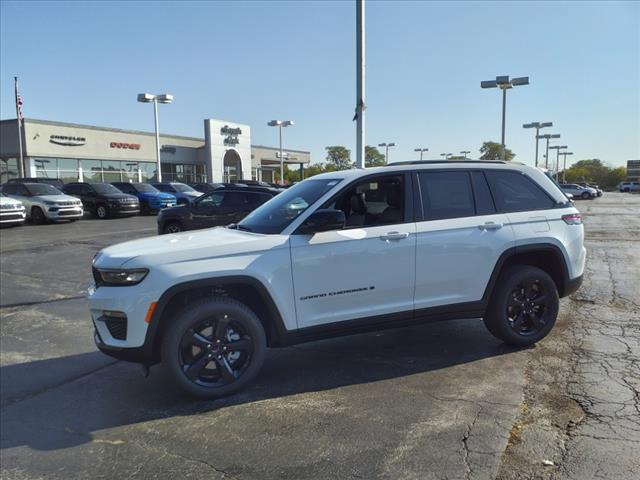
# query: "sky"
250, 62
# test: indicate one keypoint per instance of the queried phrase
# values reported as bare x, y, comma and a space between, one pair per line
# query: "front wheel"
102, 212
214, 347
585, 195
37, 216
172, 227
523, 307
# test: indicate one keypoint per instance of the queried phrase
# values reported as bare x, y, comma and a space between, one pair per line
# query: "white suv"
342, 253
12, 211
44, 202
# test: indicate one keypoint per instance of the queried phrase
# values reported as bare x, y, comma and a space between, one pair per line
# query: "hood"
55, 198
117, 196
192, 194
186, 246
10, 201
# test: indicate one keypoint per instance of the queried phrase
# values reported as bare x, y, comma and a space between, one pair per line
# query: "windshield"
43, 189
144, 187
103, 188
275, 215
181, 187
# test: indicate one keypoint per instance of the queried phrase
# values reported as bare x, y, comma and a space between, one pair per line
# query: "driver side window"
372, 202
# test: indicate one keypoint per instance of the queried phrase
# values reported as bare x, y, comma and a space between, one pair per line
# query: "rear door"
460, 237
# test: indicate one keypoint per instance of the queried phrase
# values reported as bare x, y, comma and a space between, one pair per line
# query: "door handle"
394, 236
490, 226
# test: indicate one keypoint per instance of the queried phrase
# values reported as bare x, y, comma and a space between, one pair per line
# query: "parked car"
151, 199
218, 208
206, 187
44, 202
629, 186
103, 199
12, 211
184, 193
591, 185
342, 253
56, 182
579, 191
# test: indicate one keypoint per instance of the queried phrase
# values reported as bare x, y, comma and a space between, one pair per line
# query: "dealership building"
87, 153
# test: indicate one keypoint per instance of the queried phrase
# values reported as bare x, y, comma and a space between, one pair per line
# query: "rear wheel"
102, 211
37, 216
523, 307
172, 226
585, 195
214, 347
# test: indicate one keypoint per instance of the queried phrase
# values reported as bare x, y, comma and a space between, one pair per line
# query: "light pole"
149, 98
557, 148
564, 166
386, 153
504, 84
537, 126
360, 83
421, 150
548, 136
465, 153
280, 124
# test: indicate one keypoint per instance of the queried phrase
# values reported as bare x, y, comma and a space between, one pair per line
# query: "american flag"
19, 104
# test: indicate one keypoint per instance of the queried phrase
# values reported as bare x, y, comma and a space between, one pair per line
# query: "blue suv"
184, 193
151, 199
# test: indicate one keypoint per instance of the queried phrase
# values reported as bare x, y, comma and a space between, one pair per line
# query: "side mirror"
323, 221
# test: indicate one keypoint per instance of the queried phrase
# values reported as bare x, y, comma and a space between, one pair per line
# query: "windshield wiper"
242, 227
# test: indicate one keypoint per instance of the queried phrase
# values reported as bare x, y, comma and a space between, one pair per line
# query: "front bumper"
64, 213
12, 217
124, 209
572, 285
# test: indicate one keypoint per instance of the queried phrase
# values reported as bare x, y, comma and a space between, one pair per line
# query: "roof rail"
428, 162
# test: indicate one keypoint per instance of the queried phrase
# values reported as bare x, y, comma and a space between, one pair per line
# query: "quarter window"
514, 192
446, 195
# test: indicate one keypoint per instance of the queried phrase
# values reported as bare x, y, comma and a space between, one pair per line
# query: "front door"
365, 270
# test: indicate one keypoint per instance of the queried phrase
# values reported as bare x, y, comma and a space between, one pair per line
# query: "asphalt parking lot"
439, 401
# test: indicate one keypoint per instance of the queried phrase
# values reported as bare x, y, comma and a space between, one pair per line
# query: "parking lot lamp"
465, 153
548, 136
564, 166
503, 83
149, 98
557, 148
421, 150
386, 150
537, 126
280, 124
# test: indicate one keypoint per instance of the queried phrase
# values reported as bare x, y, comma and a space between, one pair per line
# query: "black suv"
103, 199
218, 208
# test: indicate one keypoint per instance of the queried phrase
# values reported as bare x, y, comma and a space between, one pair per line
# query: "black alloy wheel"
523, 307
527, 309
214, 347
215, 352
37, 216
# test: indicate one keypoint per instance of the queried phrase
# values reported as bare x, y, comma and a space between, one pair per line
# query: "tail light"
572, 219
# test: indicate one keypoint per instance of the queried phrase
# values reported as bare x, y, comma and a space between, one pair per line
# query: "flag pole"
19, 119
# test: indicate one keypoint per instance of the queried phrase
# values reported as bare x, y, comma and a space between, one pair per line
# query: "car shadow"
117, 395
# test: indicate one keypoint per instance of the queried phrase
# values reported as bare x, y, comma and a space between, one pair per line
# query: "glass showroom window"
46, 167
91, 170
67, 169
111, 171
8, 169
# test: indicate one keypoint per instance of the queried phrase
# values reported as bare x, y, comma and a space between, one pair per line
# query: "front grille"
9, 206
68, 212
66, 204
117, 326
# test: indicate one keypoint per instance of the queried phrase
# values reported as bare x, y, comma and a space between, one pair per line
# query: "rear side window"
515, 192
484, 201
235, 199
446, 195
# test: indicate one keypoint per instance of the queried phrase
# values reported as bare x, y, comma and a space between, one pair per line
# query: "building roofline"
283, 149
110, 129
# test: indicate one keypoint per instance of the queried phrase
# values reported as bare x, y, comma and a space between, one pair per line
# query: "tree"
373, 157
595, 171
339, 157
491, 151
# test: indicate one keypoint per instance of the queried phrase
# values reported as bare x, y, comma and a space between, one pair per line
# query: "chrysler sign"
67, 141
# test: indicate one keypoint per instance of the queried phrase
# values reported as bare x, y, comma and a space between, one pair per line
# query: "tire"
172, 226
37, 216
522, 319
102, 211
194, 344
585, 196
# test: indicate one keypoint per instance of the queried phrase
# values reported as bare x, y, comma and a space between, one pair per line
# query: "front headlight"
120, 277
